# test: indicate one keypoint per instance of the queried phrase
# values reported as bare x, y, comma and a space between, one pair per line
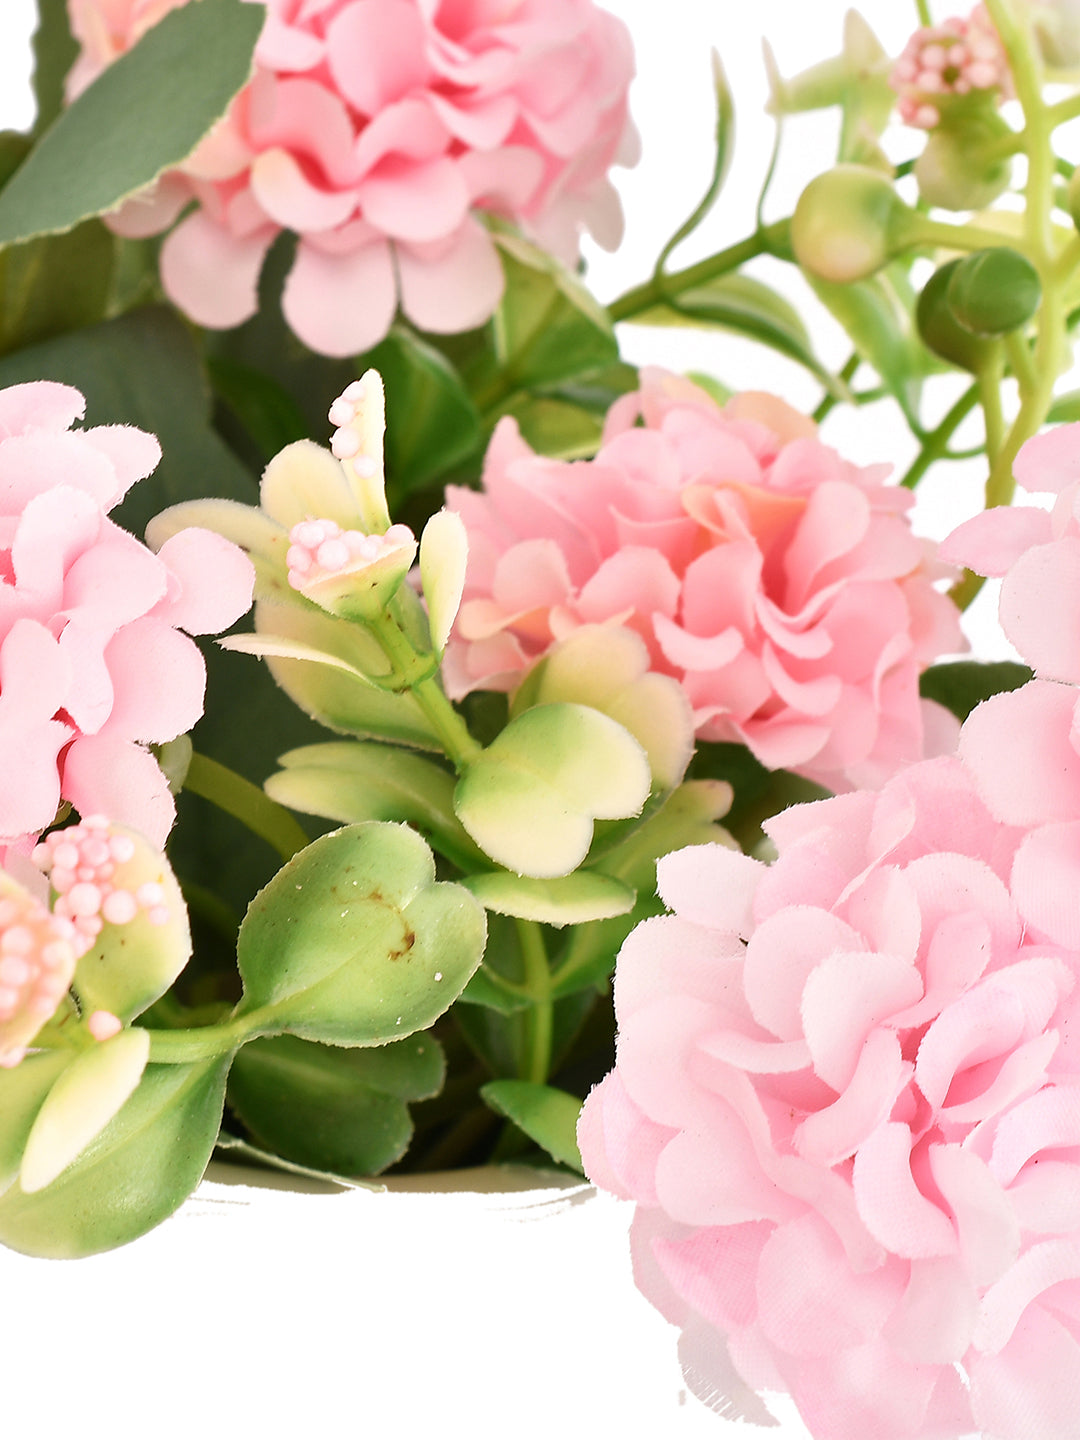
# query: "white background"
466, 1314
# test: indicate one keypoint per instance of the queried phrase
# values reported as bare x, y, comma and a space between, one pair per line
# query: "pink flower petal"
894, 1209
159, 678
211, 275
1017, 746
1040, 608
1049, 461
341, 304
107, 775
197, 603
376, 53
291, 200
457, 290
994, 540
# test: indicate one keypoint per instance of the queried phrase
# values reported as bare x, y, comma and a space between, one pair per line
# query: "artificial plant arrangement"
557, 671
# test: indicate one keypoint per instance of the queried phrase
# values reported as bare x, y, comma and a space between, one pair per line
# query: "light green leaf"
354, 780
132, 1175
531, 798
80, 1104
444, 557
23, 1090
556, 427
143, 115
568, 900
882, 331
546, 1115
548, 326
1065, 407
354, 943
333, 1110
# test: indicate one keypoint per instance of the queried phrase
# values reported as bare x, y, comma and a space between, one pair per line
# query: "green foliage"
567, 900
55, 49
143, 115
876, 316
137, 1170
354, 943
23, 1090
758, 792
963, 684
53, 284
328, 1109
546, 1115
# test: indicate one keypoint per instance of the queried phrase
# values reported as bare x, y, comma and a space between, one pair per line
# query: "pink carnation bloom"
374, 131
847, 1098
1038, 553
92, 665
779, 583
946, 61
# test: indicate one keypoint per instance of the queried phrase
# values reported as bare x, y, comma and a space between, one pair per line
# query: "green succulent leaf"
568, 900
531, 798
334, 1110
354, 943
547, 1115
143, 115
132, 1175
353, 780
23, 1090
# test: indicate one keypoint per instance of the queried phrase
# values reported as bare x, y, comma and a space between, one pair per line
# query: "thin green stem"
924, 231
852, 364
657, 289
936, 444
1064, 110
205, 1042
247, 803
989, 387
923, 7
540, 1016
415, 672
1018, 353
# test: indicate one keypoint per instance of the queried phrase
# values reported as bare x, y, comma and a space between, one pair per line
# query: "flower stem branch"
771, 240
935, 446
414, 672
540, 1016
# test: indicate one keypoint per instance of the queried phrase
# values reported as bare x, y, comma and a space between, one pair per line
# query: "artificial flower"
946, 62
845, 1101
779, 583
93, 664
374, 132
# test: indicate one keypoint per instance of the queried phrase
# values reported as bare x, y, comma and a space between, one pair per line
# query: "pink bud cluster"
81, 864
346, 441
38, 954
951, 59
320, 547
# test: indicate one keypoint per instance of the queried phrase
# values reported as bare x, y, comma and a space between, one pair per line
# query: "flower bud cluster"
941, 62
81, 863
38, 954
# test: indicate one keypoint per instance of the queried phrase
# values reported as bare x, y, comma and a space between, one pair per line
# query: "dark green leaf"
334, 1110
963, 684
54, 284
134, 1174
263, 407
55, 49
759, 793
546, 1115
143, 115
431, 424
14, 148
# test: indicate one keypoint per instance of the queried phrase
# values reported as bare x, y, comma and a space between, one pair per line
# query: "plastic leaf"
568, 900
444, 555
546, 1115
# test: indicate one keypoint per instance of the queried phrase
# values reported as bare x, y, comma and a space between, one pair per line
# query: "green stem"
247, 803
988, 382
923, 7
852, 364
924, 231
658, 288
540, 1017
1018, 353
414, 672
205, 1042
936, 443
1064, 110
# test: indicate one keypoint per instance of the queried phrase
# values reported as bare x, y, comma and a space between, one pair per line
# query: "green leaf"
143, 115
484, 990
963, 684
759, 793
548, 326
531, 798
142, 369
1065, 407
342, 1111
556, 427
546, 1115
431, 423
745, 306
265, 409
568, 900
354, 943
353, 780
134, 1174
53, 284
725, 134
55, 49
881, 329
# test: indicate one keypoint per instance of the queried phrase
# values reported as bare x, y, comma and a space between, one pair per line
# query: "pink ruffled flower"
1038, 553
779, 583
375, 131
847, 1098
943, 62
93, 666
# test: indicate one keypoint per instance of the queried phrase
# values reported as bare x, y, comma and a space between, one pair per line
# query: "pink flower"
38, 953
942, 62
92, 665
847, 1099
781, 584
1038, 553
374, 132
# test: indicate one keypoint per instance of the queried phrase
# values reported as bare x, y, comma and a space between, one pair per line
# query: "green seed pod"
941, 331
848, 223
955, 171
993, 291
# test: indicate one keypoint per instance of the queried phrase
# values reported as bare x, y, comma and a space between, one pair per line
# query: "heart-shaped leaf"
354, 943
531, 798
